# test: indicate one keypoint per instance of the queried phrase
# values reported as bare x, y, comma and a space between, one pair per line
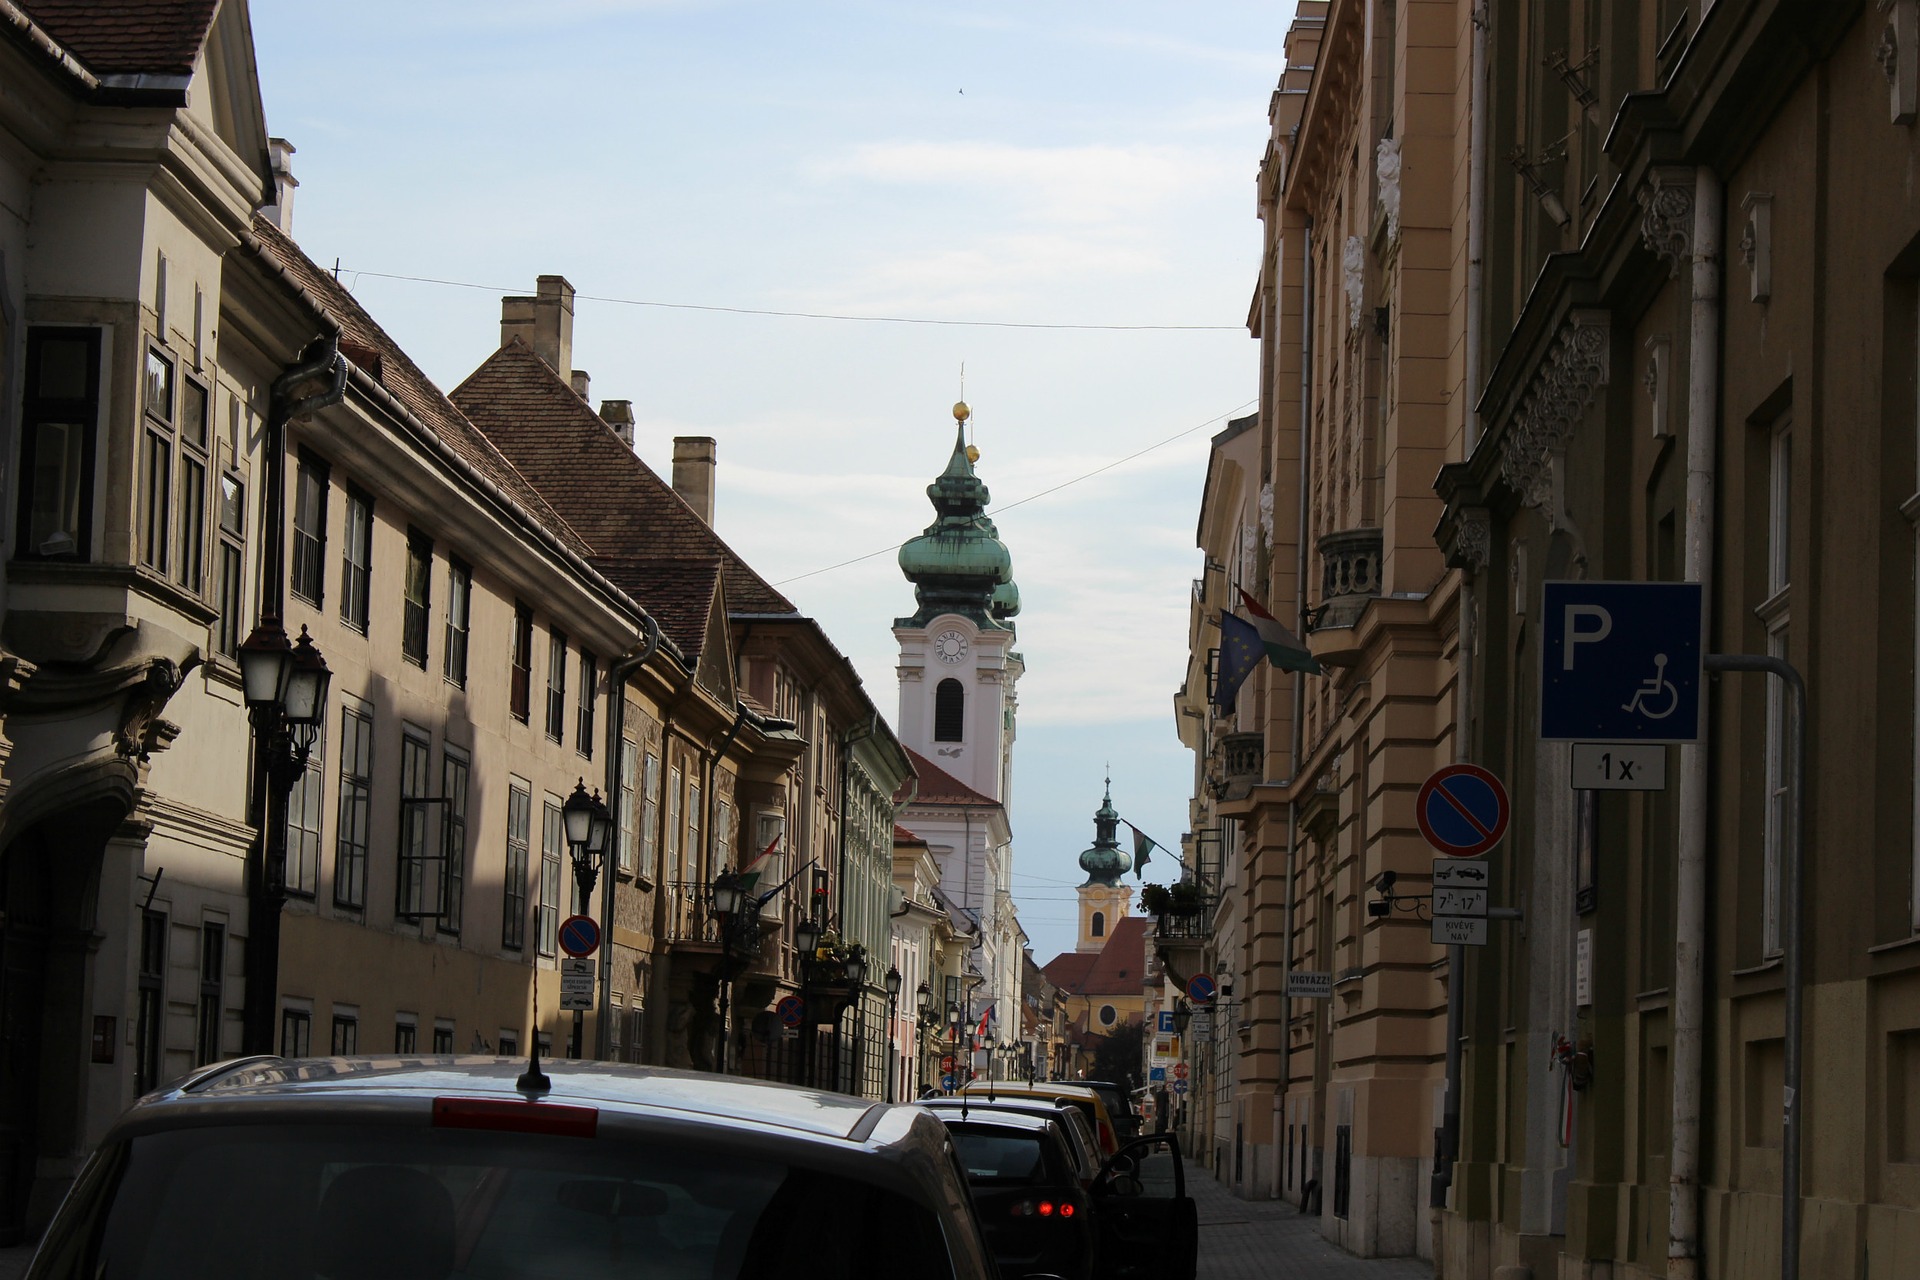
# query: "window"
1098, 929
671, 870
636, 1030
556, 684
583, 715
509, 1043
59, 421
615, 1025
356, 561
213, 974
650, 815
156, 461
309, 530
949, 711
296, 1033
356, 807
691, 859
1108, 1015
190, 510
443, 1037
230, 568
419, 590
521, 694
346, 1034
553, 840
454, 772
303, 820
1775, 614
629, 845
723, 836
405, 1035
513, 928
414, 891
459, 610
152, 1009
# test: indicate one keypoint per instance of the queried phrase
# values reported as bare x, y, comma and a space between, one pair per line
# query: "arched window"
949, 711
1099, 929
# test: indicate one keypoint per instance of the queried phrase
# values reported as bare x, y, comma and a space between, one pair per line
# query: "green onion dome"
1105, 861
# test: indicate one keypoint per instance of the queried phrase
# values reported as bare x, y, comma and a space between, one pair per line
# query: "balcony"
1349, 579
1235, 764
691, 922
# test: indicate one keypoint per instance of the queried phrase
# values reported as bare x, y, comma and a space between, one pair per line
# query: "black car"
1135, 1221
1119, 1100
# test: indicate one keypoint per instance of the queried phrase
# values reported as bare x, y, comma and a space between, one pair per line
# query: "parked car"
1074, 1125
1075, 1093
1148, 1227
1027, 1190
463, 1167
1119, 1100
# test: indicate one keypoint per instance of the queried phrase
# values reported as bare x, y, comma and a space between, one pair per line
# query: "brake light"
1066, 1208
1046, 1208
1042, 1209
498, 1115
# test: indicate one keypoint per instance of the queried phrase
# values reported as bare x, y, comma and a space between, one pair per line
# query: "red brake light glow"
1046, 1208
1066, 1209
499, 1115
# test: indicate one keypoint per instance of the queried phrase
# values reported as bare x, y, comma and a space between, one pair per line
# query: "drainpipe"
1476, 216
1299, 678
637, 657
267, 859
1690, 896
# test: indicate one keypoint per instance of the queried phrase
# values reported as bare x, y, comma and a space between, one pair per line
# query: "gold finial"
973, 454
960, 411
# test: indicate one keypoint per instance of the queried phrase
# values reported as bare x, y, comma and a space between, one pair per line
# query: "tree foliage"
1119, 1055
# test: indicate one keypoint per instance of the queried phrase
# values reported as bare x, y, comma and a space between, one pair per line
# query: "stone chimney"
693, 463
581, 380
280, 160
544, 322
618, 415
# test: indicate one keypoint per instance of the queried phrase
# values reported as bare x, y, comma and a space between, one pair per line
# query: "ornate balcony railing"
690, 918
1349, 577
1237, 763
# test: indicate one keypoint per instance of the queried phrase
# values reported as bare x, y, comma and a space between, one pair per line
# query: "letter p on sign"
1602, 628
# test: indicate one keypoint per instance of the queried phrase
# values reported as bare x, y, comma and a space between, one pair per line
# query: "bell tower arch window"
949, 711
1098, 929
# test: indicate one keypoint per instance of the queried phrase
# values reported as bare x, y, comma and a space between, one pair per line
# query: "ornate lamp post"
923, 999
893, 1005
587, 826
285, 687
806, 941
729, 895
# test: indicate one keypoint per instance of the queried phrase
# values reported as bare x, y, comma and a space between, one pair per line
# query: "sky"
1032, 170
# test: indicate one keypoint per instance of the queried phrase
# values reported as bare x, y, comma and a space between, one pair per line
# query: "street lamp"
806, 943
584, 818
893, 1004
729, 895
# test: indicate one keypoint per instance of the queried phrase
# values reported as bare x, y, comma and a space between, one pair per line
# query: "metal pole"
726, 984
893, 1065
1791, 875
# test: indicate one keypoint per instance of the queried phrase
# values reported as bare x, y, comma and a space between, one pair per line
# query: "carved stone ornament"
1667, 221
1266, 512
1386, 169
1659, 384
1756, 244
1353, 265
1475, 544
1561, 392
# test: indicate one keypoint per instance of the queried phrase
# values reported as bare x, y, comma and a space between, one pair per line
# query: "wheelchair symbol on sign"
1654, 687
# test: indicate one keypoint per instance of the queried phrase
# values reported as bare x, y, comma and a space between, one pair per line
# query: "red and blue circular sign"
1200, 988
792, 1010
579, 936
1462, 810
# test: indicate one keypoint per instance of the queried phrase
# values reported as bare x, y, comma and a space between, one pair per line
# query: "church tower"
1103, 899
957, 665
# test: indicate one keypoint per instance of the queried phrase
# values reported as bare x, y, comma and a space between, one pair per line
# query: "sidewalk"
1269, 1240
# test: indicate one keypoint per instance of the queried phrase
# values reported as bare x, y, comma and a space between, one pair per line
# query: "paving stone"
1269, 1240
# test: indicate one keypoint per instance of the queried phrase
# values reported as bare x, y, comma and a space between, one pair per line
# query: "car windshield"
1000, 1158
373, 1201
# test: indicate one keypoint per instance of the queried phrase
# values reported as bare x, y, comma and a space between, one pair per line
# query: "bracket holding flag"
1244, 641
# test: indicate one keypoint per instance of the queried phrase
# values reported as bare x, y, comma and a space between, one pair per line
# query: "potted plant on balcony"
1154, 899
1184, 899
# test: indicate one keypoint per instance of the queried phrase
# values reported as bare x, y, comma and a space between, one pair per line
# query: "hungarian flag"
1142, 846
980, 1032
1283, 648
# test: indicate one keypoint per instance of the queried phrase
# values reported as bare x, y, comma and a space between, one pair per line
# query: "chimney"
544, 322
581, 381
693, 464
280, 161
618, 414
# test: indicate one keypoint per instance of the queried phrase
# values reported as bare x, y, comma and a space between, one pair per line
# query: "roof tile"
118, 37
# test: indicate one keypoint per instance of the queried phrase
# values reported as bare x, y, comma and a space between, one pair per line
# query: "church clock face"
950, 647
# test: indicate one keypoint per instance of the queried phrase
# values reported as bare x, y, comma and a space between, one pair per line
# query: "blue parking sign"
1620, 662
1156, 1074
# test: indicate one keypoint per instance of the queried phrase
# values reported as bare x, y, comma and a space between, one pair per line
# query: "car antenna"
533, 1079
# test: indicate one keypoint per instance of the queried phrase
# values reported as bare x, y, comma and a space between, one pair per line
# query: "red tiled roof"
111, 37
361, 335
1120, 969
903, 836
638, 525
937, 786
1066, 970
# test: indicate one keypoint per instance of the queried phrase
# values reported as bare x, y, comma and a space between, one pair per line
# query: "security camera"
1384, 882
1380, 908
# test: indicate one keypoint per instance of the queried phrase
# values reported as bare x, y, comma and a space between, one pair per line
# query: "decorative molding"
1667, 223
1386, 170
1474, 547
1659, 383
1756, 244
1353, 273
1558, 399
1898, 53
1266, 512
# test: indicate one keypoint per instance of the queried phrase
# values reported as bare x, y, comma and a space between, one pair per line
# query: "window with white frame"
455, 771
553, 843
513, 921
628, 847
691, 859
671, 869
156, 459
649, 814
416, 889
303, 820
309, 530
190, 505
353, 834
356, 560
417, 598
459, 620
230, 564
59, 424
1775, 615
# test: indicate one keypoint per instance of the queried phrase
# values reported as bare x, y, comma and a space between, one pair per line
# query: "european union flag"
1240, 652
